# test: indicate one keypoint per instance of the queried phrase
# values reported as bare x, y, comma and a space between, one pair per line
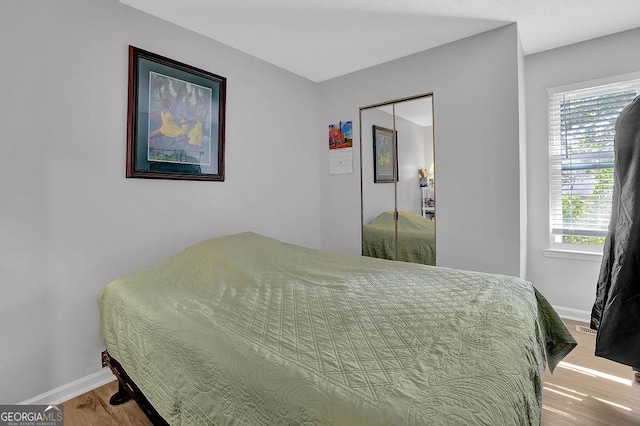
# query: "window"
581, 132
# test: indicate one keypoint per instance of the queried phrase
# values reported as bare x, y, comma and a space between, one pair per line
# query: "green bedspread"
416, 238
248, 330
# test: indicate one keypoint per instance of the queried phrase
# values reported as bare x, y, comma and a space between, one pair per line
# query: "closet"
397, 172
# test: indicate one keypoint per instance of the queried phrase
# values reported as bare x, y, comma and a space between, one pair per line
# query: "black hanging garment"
616, 312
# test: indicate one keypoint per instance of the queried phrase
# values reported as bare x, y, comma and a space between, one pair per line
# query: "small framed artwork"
385, 162
176, 116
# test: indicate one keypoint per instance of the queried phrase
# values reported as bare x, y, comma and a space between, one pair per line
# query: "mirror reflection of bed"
416, 238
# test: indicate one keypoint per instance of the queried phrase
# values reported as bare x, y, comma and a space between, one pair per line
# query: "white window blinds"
581, 132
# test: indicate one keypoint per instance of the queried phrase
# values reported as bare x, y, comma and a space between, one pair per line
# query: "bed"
244, 329
416, 238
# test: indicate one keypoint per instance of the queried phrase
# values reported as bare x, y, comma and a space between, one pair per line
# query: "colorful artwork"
179, 117
175, 119
340, 135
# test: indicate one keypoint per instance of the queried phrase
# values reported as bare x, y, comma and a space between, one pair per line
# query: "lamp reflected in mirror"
431, 175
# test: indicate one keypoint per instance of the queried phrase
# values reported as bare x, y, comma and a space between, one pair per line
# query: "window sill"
573, 254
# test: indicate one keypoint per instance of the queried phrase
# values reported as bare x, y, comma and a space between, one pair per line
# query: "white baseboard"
73, 389
573, 314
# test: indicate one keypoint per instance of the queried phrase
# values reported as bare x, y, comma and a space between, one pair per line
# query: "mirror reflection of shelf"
428, 204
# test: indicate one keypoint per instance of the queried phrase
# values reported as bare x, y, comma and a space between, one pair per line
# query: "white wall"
475, 86
69, 220
565, 282
524, 184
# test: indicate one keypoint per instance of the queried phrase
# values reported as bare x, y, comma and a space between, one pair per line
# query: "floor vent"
586, 330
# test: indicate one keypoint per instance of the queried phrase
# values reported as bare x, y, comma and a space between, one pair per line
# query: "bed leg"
121, 396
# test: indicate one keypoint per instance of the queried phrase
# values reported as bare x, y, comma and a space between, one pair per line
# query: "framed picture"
385, 162
176, 113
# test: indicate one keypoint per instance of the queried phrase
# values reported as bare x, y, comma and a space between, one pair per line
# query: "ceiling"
322, 39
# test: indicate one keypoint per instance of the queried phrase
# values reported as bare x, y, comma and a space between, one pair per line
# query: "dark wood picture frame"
385, 159
176, 120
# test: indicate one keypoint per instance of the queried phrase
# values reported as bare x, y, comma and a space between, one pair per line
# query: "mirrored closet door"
398, 180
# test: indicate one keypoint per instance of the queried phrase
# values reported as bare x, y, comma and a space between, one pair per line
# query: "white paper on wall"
340, 161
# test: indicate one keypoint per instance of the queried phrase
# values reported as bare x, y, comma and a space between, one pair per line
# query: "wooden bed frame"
128, 390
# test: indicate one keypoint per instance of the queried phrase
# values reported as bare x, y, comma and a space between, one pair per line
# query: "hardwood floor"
93, 409
586, 390
583, 390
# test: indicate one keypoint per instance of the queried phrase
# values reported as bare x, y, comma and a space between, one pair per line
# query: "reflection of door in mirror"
398, 215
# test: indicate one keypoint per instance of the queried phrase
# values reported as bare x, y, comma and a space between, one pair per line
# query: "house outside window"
581, 134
